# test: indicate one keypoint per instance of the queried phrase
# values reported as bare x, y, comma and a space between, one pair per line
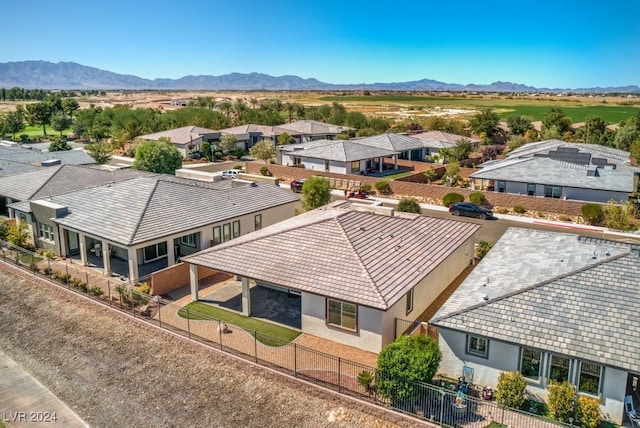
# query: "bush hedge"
592, 214
452, 198
477, 198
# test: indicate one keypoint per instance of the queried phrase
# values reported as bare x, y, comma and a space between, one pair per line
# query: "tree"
626, 136
402, 363
555, 118
519, 125
263, 150
19, 234
462, 150
510, 390
59, 145
14, 121
618, 217
228, 143
157, 156
635, 150
69, 106
99, 152
561, 401
60, 121
595, 131
39, 114
408, 205
284, 139
316, 192
486, 122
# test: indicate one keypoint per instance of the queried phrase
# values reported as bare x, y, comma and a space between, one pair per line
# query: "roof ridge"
47, 181
144, 210
532, 287
360, 262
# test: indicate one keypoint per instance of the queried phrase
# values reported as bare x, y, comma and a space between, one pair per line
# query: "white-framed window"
189, 240
236, 228
156, 251
478, 346
409, 306
258, 221
342, 314
589, 378
217, 235
553, 192
558, 368
226, 232
46, 232
530, 363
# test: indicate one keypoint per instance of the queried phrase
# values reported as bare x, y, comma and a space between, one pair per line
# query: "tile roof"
150, 207
343, 151
20, 159
442, 136
615, 156
54, 180
312, 127
557, 292
541, 170
265, 130
392, 142
180, 136
360, 257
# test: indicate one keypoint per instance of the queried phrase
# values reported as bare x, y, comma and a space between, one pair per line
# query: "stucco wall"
506, 357
176, 276
368, 336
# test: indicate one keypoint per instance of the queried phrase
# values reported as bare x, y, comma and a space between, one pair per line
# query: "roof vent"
50, 162
485, 297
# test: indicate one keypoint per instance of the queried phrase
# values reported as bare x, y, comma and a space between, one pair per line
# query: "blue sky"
545, 43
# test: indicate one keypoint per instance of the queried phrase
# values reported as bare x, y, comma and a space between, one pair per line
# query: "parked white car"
230, 173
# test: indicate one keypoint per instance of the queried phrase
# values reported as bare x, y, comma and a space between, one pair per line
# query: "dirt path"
113, 371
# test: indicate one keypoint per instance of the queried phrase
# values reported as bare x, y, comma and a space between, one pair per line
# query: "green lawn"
265, 330
495, 425
35, 131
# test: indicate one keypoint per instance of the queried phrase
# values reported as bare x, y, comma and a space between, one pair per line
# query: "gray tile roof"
360, 257
311, 127
556, 292
265, 130
54, 180
391, 142
150, 207
20, 159
344, 151
445, 137
615, 156
180, 136
547, 171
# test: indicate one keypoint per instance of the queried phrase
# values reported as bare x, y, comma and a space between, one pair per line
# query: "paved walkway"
25, 402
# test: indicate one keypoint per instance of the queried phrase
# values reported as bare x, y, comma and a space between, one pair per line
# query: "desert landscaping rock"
113, 371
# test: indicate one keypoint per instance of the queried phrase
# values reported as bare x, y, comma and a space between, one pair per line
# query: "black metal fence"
438, 405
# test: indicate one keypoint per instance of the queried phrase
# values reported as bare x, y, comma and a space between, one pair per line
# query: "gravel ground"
113, 371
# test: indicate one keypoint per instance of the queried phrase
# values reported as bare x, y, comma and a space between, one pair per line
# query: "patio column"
83, 248
395, 160
62, 240
381, 164
171, 256
106, 258
246, 297
193, 282
133, 264
206, 238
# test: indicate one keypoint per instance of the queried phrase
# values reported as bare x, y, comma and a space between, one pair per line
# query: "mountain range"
69, 75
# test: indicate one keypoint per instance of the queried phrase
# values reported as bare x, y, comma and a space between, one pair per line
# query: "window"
558, 368
258, 221
341, 314
226, 232
297, 160
355, 166
552, 192
530, 362
46, 232
188, 240
153, 252
236, 228
531, 189
217, 235
326, 166
502, 186
589, 379
478, 346
410, 301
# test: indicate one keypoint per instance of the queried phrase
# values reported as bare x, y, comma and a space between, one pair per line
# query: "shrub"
618, 216
587, 412
501, 210
383, 187
477, 198
239, 154
561, 401
264, 171
365, 187
144, 288
510, 390
96, 291
482, 248
452, 198
365, 379
49, 254
237, 166
48, 271
409, 205
592, 214
519, 209
564, 218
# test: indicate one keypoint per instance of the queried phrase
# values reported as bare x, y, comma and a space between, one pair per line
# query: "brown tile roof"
360, 257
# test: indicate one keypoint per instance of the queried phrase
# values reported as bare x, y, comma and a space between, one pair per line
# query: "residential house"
339, 156
145, 223
434, 141
556, 169
553, 306
249, 135
15, 159
407, 147
186, 139
309, 130
358, 270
